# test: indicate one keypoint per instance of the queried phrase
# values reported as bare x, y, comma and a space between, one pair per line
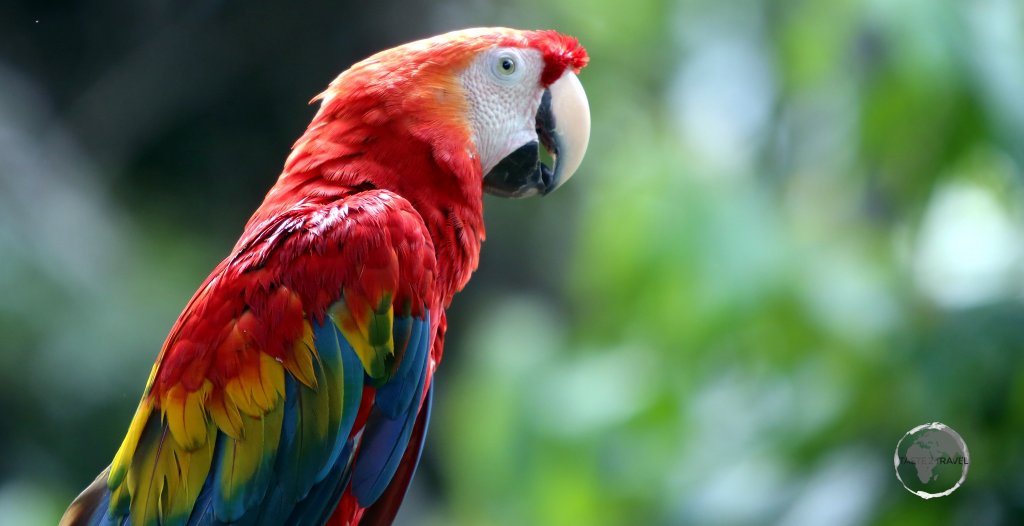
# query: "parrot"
296, 385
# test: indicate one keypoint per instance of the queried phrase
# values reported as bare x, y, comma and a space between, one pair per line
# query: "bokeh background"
799, 232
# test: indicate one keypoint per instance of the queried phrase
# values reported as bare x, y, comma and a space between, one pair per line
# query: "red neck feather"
386, 132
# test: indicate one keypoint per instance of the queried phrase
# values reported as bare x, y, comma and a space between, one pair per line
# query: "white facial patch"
503, 90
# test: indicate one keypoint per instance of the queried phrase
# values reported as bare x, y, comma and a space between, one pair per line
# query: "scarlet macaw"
295, 388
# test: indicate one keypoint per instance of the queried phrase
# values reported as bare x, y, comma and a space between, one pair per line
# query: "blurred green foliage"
797, 235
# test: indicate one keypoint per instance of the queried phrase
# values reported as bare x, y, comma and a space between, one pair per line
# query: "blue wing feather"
384, 510
354, 379
280, 497
330, 352
393, 398
317, 507
386, 437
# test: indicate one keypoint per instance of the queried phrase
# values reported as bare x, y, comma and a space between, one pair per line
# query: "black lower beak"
521, 173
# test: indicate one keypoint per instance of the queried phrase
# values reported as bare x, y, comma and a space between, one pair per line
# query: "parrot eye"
505, 66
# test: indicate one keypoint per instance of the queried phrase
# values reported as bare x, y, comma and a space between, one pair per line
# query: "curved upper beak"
563, 128
567, 134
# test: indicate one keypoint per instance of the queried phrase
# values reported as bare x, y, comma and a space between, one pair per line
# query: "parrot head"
524, 95
484, 102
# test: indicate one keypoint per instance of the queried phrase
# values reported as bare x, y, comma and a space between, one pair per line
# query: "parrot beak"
563, 129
